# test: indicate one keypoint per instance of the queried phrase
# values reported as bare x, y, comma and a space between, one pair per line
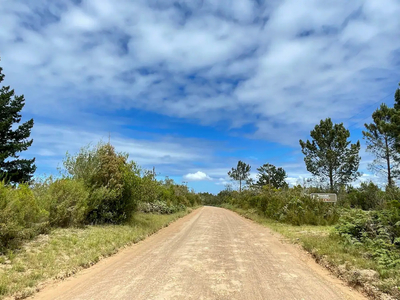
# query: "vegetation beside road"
98, 186
64, 251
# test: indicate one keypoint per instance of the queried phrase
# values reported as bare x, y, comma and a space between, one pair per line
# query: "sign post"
325, 197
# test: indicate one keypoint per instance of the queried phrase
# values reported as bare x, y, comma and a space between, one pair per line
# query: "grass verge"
353, 264
63, 252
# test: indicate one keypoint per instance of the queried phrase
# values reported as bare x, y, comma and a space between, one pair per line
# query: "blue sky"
191, 87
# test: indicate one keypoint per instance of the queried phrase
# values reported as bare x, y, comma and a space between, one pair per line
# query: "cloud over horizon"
198, 176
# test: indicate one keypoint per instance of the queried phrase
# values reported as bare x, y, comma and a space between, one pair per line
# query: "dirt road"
210, 254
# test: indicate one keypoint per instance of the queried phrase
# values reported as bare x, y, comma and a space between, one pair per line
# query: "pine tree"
382, 143
271, 175
330, 156
240, 173
14, 140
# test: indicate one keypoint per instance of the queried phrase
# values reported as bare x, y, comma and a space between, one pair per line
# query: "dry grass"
65, 251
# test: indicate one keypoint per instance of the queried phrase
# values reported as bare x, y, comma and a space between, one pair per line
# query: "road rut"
210, 254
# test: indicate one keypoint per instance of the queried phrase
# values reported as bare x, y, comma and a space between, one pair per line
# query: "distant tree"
14, 140
240, 173
330, 156
382, 143
270, 175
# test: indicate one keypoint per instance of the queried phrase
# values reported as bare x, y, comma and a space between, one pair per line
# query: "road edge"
364, 289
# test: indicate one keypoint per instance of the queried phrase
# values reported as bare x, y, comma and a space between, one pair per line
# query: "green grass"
65, 251
327, 247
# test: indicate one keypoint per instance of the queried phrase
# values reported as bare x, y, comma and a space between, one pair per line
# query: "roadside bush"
68, 202
192, 199
379, 231
210, 199
367, 197
160, 207
40, 189
175, 194
285, 205
149, 189
298, 210
111, 180
359, 225
20, 216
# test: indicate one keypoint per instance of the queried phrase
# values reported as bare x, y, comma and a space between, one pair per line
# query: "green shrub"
68, 198
360, 225
111, 180
160, 207
149, 188
210, 199
379, 231
40, 188
285, 205
367, 197
20, 216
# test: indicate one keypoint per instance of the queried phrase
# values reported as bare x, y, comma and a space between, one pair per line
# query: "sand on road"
213, 253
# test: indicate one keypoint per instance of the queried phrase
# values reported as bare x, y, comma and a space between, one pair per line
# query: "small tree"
240, 173
381, 142
330, 156
271, 175
14, 140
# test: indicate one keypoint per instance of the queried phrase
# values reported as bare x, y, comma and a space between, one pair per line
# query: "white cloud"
280, 66
198, 176
297, 61
168, 154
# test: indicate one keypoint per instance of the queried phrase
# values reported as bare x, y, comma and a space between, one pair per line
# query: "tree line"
331, 157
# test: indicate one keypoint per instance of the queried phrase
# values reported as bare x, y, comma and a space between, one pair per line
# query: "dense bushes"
20, 215
160, 207
68, 200
294, 206
378, 231
368, 196
110, 180
284, 205
99, 186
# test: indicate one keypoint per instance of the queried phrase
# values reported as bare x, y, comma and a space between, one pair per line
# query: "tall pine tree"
381, 142
330, 156
240, 173
14, 138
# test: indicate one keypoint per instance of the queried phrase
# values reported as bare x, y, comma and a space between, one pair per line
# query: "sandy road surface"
210, 254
